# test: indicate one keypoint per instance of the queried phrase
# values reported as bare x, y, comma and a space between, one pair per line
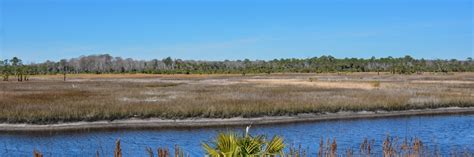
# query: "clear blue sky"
37, 30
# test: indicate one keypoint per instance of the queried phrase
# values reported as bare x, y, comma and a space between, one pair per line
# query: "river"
442, 132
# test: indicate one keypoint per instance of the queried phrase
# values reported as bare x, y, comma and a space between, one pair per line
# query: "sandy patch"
217, 82
443, 81
150, 99
321, 84
423, 100
153, 96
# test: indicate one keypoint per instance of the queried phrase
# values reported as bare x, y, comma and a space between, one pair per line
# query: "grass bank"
154, 123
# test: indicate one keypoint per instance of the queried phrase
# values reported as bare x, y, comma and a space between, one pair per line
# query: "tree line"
105, 63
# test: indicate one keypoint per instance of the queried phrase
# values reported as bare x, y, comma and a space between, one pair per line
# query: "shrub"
231, 144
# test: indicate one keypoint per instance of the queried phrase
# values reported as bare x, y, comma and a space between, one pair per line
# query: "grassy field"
87, 97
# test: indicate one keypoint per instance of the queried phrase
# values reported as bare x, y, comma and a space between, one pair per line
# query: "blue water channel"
444, 133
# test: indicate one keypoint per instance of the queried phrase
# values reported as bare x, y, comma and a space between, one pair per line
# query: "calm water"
443, 132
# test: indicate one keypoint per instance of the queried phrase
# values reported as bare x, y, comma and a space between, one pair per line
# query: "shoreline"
155, 123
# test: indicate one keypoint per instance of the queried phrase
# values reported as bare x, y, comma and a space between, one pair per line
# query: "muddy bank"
204, 122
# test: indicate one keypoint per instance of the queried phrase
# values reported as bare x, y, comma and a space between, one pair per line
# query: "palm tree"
232, 145
5, 70
15, 62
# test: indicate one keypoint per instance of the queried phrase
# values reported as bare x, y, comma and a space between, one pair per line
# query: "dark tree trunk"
64, 74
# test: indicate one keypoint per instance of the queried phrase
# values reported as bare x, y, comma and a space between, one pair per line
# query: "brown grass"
118, 149
89, 97
36, 153
137, 75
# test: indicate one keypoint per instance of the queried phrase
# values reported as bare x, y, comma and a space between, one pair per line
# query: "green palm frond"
231, 145
275, 146
211, 151
225, 145
251, 145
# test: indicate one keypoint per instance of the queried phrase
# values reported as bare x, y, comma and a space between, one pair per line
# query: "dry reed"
118, 150
37, 154
46, 100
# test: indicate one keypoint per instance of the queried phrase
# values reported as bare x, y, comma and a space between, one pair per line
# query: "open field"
85, 97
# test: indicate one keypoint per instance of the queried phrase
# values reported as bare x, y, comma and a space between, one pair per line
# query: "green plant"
231, 145
225, 145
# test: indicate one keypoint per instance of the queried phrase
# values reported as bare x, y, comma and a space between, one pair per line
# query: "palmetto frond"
275, 146
225, 145
251, 146
231, 145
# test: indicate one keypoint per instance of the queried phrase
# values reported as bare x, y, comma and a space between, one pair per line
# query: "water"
446, 132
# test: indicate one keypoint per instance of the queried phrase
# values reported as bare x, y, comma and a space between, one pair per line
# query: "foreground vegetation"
234, 145
48, 99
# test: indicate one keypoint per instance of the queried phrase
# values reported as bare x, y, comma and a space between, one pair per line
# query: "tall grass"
49, 101
36, 153
118, 150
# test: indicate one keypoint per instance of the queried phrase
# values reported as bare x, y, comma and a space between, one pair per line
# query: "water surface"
443, 132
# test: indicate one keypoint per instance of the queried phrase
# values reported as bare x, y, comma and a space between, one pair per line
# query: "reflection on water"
445, 132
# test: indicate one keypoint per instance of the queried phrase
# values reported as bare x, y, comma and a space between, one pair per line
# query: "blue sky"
37, 30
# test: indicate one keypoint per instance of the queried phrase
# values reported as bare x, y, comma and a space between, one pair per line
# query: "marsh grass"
375, 84
165, 152
46, 101
161, 85
118, 149
36, 153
